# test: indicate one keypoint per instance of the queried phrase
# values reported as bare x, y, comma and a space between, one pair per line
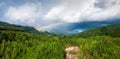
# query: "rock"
72, 52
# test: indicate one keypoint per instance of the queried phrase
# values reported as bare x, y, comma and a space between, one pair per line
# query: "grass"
20, 45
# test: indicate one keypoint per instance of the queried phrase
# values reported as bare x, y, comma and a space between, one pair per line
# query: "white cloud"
84, 10
26, 13
54, 12
109, 13
77, 30
111, 10
71, 10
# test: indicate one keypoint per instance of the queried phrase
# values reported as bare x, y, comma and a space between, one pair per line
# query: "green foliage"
109, 30
98, 47
21, 45
11, 27
16, 43
104, 31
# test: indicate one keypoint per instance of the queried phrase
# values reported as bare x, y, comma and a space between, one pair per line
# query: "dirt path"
72, 52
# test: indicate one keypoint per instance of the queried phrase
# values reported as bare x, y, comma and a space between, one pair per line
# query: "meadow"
21, 45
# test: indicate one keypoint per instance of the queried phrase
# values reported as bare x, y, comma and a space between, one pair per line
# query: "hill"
112, 30
13, 27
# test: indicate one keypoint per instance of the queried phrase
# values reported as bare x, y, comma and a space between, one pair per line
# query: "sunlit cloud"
85, 10
26, 13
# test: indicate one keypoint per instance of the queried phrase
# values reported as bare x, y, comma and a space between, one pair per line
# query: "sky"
72, 15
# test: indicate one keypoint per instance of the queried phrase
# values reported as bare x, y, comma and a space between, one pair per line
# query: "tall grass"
20, 45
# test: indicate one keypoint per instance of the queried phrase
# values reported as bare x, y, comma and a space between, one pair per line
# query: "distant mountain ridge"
112, 30
13, 27
108, 30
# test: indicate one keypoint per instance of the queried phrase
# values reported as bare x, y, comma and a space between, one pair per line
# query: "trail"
72, 52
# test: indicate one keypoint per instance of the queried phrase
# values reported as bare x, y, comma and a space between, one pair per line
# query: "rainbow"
49, 25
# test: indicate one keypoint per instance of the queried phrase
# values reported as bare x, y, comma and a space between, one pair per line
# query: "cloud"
109, 9
106, 14
30, 13
84, 10
54, 12
26, 13
77, 31
70, 11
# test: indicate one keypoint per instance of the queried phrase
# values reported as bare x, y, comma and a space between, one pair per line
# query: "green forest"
24, 42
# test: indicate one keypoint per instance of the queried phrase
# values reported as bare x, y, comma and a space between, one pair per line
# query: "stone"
72, 52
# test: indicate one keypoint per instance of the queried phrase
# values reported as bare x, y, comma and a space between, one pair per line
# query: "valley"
19, 44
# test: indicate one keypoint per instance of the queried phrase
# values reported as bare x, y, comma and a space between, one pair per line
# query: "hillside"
13, 27
112, 30
24, 45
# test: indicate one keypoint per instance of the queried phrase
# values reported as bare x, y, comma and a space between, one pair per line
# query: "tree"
104, 30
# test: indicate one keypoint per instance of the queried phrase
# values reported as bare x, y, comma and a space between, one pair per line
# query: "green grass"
20, 45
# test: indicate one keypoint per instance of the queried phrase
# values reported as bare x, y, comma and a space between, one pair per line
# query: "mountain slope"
109, 30
12, 27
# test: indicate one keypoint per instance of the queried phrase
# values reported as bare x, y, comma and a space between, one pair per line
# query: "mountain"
13, 27
108, 30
